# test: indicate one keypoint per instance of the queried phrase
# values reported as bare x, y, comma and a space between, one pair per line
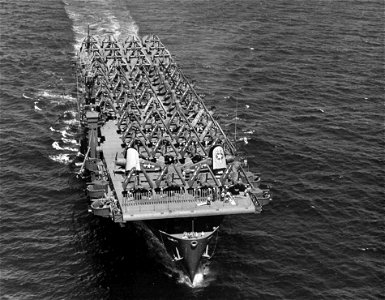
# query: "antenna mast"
236, 120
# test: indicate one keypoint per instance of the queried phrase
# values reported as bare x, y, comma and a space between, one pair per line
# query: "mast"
236, 122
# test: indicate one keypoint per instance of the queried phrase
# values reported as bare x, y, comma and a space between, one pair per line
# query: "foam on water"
183, 279
105, 18
69, 141
71, 122
36, 107
71, 149
56, 96
26, 97
198, 280
63, 158
56, 146
202, 278
70, 113
64, 133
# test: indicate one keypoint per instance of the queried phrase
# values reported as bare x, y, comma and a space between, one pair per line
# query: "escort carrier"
153, 152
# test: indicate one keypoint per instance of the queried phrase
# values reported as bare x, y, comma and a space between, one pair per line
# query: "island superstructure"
153, 152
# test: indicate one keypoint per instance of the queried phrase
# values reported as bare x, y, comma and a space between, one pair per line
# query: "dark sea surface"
308, 80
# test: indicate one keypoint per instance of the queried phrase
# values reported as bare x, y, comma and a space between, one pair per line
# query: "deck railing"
174, 195
174, 200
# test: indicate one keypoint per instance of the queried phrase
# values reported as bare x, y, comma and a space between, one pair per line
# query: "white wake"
103, 17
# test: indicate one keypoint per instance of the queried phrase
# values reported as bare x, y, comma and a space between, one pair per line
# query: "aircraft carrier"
153, 151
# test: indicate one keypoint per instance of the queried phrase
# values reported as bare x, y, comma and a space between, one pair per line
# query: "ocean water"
307, 81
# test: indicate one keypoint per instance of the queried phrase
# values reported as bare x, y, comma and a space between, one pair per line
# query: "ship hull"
190, 242
153, 152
